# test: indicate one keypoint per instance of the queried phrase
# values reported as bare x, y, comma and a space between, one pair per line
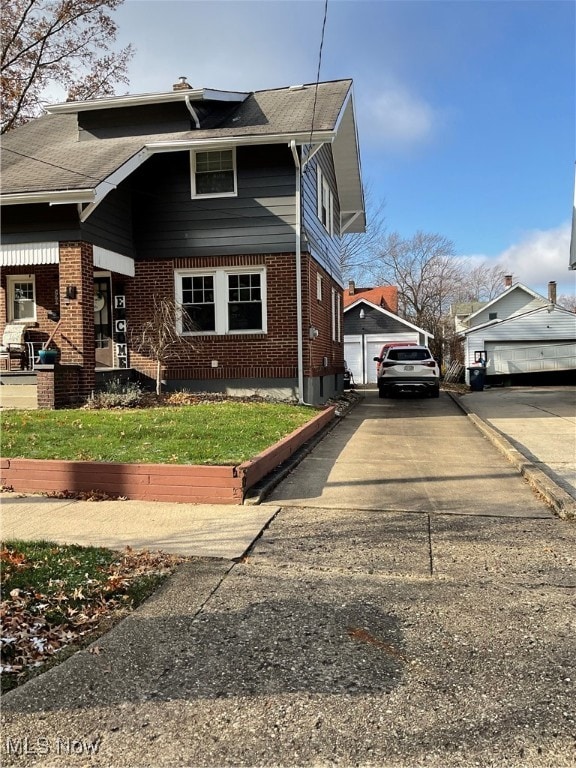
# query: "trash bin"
477, 377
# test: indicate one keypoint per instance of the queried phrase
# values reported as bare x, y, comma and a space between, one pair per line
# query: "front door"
103, 322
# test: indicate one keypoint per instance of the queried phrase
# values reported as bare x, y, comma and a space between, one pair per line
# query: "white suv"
408, 369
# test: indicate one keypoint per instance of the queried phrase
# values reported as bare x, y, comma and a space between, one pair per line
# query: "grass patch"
207, 433
58, 598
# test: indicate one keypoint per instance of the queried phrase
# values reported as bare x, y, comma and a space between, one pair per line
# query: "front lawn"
219, 433
57, 598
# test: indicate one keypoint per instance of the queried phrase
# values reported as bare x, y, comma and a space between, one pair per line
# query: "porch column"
75, 336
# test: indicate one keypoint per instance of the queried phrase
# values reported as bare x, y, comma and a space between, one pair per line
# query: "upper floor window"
21, 297
492, 315
214, 173
325, 202
222, 301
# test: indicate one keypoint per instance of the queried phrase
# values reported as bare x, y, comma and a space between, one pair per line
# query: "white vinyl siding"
535, 341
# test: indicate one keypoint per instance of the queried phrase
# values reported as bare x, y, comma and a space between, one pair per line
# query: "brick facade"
272, 355
251, 357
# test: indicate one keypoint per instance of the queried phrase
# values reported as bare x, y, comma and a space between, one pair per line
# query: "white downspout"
192, 112
299, 273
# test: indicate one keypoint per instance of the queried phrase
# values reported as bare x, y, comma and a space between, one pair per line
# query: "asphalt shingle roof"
47, 155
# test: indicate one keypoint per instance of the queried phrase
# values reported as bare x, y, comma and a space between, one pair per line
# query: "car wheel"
381, 392
435, 392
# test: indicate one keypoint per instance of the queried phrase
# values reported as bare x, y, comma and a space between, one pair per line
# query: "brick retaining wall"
158, 482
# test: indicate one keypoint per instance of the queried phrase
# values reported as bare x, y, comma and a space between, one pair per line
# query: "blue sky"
465, 108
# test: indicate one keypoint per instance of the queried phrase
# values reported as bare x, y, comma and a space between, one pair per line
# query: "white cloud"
396, 117
539, 257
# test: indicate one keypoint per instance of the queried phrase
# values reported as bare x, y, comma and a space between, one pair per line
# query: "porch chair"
13, 346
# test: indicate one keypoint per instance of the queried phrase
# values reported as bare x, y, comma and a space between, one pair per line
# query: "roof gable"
407, 323
44, 158
504, 295
551, 314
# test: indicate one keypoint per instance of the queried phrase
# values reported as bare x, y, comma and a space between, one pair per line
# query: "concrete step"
20, 396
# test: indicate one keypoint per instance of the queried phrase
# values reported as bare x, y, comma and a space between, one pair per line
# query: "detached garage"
367, 327
537, 347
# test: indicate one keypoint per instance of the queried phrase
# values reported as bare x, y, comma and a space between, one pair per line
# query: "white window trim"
10, 282
319, 286
221, 299
338, 317
198, 196
333, 315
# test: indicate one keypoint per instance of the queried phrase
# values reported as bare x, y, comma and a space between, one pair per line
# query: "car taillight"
388, 364
430, 363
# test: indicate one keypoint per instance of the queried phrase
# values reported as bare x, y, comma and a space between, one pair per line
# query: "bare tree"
160, 336
427, 274
483, 282
567, 301
357, 251
57, 42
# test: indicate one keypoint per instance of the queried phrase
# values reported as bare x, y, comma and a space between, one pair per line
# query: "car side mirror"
377, 359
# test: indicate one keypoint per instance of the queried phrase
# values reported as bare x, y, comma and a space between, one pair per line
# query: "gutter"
58, 197
299, 272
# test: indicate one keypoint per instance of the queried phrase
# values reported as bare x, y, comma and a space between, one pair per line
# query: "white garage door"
529, 357
353, 357
373, 345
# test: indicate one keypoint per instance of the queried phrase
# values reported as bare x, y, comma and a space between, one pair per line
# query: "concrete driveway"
409, 454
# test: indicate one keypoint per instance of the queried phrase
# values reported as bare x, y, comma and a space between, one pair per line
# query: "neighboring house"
231, 203
385, 296
516, 299
526, 338
368, 326
461, 312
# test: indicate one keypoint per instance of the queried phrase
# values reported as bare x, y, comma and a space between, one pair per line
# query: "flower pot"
47, 356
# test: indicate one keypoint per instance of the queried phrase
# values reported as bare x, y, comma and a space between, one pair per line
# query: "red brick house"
233, 204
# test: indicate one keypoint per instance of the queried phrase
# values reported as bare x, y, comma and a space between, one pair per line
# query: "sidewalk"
201, 530
535, 427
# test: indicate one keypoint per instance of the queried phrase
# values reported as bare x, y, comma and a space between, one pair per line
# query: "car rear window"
407, 355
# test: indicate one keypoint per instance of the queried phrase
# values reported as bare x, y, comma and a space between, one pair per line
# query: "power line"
55, 165
318, 71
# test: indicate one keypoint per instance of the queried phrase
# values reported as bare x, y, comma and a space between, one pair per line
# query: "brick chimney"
552, 291
507, 281
351, 287
182, 85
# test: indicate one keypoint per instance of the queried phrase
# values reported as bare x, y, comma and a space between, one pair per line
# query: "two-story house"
231, 204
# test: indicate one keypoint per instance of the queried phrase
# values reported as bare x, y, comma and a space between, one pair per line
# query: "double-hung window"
325, 202
198, 300
21, 297
222, 301
214, 173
